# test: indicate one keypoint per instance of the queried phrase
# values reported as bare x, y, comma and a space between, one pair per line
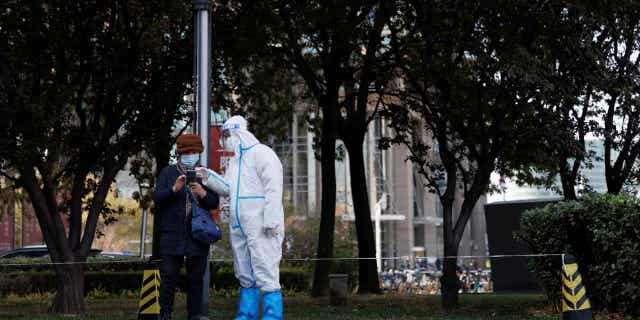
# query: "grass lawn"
488, 306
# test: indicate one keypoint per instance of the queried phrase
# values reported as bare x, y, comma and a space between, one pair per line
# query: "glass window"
418, 235
439, 210
418, 208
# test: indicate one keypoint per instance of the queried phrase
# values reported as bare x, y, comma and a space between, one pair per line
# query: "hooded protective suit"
253, 181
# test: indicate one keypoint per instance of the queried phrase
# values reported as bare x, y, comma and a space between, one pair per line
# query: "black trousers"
169, 277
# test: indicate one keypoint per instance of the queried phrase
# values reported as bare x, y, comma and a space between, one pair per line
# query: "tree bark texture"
69, 298
328, 209
368, 281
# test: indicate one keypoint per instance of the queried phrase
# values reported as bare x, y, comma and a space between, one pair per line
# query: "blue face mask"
189, 160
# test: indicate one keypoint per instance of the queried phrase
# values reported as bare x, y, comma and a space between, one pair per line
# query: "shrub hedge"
116, 282
29, 275
94, 264
603, 233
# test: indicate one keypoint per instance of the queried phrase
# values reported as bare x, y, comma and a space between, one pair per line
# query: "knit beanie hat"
189, 143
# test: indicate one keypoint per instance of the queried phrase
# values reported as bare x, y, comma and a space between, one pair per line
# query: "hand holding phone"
179, 183
191, 176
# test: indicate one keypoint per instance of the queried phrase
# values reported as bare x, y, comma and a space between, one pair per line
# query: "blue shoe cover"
249, 304
272, 305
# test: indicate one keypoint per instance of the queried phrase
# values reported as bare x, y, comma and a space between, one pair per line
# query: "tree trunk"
568, 189
327, 219
69, 297
368, 281
611, 175
449, 283
613, 178
568, 182
614, 185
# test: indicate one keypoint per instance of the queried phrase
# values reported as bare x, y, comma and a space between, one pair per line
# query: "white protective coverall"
253, 180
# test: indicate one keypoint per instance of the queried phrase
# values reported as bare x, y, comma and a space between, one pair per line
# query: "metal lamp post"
144, 189
202, 73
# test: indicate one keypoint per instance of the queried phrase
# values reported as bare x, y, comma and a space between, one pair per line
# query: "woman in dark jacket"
171, 199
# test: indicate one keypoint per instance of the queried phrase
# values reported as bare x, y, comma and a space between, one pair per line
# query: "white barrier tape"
304, 259
350, 258
501, 256
497, 256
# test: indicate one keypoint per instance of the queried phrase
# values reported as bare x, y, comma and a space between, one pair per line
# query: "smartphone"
191, 176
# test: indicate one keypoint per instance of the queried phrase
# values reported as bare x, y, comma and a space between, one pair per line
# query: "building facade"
409, 221
7, 219
592, 179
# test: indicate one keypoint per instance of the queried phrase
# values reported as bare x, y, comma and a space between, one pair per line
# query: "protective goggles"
226, 132
224, 136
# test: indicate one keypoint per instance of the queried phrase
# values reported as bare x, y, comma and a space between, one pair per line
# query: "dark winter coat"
175, 228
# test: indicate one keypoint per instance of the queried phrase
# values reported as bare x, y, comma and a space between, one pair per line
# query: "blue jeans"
169, 277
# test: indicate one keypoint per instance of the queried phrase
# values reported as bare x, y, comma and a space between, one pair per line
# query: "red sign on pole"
216, 153
215, 149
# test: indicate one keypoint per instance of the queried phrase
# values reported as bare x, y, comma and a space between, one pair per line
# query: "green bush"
8, 265
118, 282
603, 233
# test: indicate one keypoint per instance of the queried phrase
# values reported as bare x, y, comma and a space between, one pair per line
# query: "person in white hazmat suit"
253, 181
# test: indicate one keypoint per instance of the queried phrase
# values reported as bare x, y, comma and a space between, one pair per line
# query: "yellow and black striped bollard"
575, 302
149, 306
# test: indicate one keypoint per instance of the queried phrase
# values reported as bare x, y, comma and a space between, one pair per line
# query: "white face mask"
231, 143
189, 160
